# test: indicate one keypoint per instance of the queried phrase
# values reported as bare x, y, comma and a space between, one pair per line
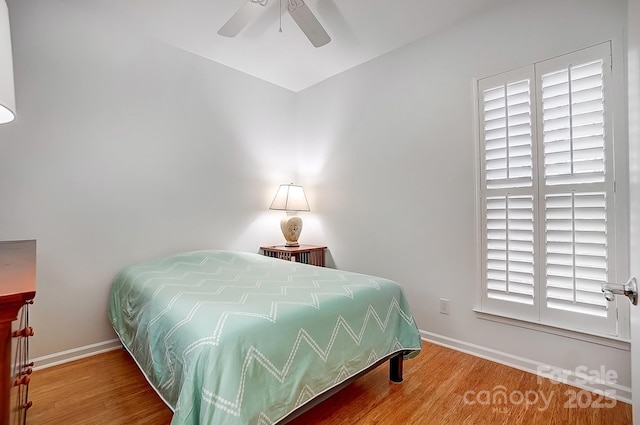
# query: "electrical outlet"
444, 306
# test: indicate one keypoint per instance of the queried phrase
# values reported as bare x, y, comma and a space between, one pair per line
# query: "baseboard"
616, 391
75, 354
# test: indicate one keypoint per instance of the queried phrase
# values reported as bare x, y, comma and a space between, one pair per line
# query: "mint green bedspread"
239, 338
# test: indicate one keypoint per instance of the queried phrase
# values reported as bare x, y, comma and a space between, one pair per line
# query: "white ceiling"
360, 30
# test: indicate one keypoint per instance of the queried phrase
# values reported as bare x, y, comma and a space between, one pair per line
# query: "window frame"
538, 313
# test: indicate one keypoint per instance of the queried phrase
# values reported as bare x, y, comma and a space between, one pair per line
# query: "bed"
239, 338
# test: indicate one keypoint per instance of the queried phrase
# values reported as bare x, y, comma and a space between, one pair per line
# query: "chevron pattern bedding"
239, 338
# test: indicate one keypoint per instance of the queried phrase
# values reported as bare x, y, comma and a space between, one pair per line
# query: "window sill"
606, 340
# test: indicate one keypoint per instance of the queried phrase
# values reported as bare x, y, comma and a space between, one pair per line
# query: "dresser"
17, 290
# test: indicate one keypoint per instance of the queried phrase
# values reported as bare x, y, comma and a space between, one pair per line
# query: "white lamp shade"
290, 197
7, 93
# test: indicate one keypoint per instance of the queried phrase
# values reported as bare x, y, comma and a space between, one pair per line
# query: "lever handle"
629, 289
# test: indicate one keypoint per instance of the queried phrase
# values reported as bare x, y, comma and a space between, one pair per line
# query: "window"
547, 192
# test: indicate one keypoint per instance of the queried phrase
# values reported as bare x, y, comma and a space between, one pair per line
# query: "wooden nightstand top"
306, 254
285, 248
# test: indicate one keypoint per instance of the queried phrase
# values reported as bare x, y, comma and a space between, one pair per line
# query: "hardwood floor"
441, 386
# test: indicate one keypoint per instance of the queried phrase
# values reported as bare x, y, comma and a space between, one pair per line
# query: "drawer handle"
28, 331
23, 380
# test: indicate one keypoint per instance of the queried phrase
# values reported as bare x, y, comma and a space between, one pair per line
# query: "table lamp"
7, 94
291, 199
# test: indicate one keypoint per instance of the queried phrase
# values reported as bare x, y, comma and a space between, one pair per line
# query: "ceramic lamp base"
291, 226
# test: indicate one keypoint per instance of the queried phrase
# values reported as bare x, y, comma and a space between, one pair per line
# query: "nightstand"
306, 254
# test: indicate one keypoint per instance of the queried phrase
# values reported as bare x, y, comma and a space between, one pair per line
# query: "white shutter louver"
576, 259
510, 249
507, 135
576, 252
573, 123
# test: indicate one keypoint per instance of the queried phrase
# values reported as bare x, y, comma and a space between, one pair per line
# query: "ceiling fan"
298, 10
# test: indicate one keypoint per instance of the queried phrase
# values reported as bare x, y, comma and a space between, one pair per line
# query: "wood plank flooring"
441, 386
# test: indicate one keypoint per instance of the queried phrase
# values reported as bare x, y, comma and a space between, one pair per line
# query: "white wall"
397, 185
125, 149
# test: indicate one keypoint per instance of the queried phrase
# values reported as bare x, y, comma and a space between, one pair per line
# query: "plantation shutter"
547, 192
577, 191
507, 135
576, 252
507, 127
510, 266
573, 121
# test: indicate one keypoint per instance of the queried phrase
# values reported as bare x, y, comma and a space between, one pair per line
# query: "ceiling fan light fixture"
298, 10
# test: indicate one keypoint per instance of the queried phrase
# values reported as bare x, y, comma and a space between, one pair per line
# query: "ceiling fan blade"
242, 17
308, 23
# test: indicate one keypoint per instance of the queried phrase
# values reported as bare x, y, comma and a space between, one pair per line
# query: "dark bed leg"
395, 368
